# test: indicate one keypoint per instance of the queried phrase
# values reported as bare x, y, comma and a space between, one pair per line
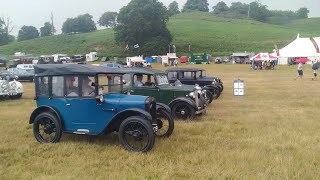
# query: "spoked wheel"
165, 123
46, 128
208, 97
182, 110
136, 134
215, 92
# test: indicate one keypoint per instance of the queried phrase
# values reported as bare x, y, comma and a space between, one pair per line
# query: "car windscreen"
110, 83
162, 79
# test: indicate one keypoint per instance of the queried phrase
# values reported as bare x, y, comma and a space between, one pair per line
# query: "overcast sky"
37, 12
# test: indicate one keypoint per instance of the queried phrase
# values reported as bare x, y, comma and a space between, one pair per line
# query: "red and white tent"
263, 57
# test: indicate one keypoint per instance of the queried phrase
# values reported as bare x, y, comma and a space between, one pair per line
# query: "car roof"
183, 69
142, 70
71, 69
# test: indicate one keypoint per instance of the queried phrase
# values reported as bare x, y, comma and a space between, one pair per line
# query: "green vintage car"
185, 101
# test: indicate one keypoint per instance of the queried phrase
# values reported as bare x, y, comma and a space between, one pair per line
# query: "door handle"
68, 104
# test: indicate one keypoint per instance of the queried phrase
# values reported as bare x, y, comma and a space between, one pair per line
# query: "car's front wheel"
47, 128
136, 134
208, 97
183, 110
165, 123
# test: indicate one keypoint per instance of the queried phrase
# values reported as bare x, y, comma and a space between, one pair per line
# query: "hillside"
203, 31
310, 25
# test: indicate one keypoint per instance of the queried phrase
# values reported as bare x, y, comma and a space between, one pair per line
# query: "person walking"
300, 71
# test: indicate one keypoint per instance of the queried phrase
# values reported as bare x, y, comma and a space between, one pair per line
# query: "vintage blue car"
87, 99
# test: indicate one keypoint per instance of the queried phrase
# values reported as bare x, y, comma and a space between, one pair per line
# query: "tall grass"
272, 132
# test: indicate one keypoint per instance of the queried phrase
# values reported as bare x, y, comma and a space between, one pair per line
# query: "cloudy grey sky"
37, 12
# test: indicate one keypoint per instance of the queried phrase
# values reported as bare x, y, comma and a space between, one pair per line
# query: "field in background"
203, 31
270, 133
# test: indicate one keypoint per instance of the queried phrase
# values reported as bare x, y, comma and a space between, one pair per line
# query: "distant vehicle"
218, 60
137, 61
112, 65
92, 56
24, 74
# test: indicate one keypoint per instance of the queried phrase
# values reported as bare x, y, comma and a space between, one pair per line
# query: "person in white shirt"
300, 71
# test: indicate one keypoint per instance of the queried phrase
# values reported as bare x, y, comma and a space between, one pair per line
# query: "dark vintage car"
87, 99
192, 76
185, 101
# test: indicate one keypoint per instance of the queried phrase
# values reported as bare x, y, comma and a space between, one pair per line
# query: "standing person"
315, 73
300, 71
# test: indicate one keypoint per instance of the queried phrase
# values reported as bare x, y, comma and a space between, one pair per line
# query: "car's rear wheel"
47, 128
183, 111
136, 134
165, 123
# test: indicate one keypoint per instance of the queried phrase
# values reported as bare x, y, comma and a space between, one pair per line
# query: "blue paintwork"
86, 113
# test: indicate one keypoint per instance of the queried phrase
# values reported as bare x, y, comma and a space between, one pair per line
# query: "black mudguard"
183, 99
41, 109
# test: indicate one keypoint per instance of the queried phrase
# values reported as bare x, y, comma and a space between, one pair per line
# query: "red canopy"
263, 57
302, 60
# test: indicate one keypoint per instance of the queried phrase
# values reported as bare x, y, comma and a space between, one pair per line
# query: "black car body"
192, 76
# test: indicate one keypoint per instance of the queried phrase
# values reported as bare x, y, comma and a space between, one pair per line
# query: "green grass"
270, 133
310, 24
203, 31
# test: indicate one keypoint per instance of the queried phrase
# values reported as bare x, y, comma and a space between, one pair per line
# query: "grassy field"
203, 31
270, 133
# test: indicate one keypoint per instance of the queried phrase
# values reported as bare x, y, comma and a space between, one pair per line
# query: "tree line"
141, 26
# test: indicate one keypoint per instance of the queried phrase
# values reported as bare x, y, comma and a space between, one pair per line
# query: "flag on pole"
136, 46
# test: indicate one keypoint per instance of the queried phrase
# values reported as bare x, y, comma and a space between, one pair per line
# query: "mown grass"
203, 31
270, 133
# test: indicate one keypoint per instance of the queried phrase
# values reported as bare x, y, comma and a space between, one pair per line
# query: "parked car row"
138, 103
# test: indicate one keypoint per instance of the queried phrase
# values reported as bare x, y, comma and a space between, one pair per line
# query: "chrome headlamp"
192, 94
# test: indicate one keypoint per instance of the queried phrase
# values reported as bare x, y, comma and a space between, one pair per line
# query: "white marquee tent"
300, 47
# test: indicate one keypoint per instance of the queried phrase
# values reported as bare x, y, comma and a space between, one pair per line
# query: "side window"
42, 86
126, 79
143, 80
57, 86
71, 86
86, 86
110, 65
188, 75
172, 75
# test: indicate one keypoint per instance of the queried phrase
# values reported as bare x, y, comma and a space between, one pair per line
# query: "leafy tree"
142, 21
258, 11
196, 5
302, 13
80, 24
5, 29
239, 8
220, 8
108, 19
173, 8
27, 32
47, 30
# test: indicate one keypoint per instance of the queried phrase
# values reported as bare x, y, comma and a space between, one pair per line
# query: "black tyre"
165, 123
47, 128
208, 97
221, 86
136, 134
215, 92
183, 110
